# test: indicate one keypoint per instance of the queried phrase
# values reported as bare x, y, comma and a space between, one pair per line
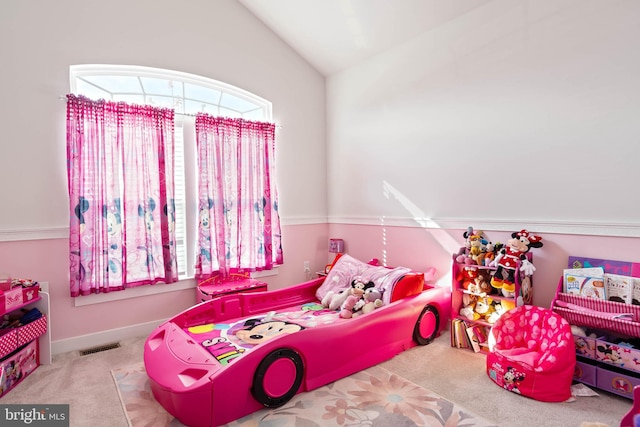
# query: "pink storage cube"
8, 341
5, 282
31, 331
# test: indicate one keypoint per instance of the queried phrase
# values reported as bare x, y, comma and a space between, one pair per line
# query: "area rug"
374, 397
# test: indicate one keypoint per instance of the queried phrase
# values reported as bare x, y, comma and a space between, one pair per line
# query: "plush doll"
333, 300
490, 252
498, 310
484, 308
474, 248
352, 302
480, 286
468, 309
477, 246
346, 310
373, 300
467, 277
507, 259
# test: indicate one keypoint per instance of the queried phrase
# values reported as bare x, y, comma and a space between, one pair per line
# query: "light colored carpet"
86, 384
373, 397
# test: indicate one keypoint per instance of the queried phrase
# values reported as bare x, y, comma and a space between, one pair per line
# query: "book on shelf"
458, 335
477, 335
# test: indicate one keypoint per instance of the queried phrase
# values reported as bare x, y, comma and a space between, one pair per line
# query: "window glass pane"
201, 93
155, 86
122, 84
230, 113
91, 91
131, 99
235, 103
193, 107
255, 115
160, 101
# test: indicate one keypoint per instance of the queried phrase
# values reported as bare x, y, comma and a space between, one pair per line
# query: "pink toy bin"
5, 282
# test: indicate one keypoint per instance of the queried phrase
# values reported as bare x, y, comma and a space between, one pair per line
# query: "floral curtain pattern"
120, 161
239, 224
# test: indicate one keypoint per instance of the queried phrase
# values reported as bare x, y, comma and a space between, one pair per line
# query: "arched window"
187, 95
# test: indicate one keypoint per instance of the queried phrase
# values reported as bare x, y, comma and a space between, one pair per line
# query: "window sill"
141, 291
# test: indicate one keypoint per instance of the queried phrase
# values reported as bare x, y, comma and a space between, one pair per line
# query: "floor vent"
99, 348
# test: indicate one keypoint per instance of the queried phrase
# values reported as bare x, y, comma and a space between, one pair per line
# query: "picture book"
586, 282
618, 288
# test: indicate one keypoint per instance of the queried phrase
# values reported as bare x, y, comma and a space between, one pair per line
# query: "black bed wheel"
427, 326
277, 378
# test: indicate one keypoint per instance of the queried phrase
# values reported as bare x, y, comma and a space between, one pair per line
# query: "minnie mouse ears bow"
529, 236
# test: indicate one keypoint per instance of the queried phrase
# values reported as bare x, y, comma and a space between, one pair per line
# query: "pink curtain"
239, 225
120, 161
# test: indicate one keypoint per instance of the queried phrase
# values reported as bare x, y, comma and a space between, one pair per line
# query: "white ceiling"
335, 34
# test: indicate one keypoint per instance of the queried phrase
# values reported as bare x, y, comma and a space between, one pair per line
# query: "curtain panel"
239, 223
120, 161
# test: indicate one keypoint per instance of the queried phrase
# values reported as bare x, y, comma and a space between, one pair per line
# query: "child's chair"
532, 353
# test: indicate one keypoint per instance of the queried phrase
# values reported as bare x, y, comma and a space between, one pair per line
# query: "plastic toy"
235, 354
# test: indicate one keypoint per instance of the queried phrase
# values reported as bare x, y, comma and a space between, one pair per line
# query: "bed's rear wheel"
427, 326
278, 378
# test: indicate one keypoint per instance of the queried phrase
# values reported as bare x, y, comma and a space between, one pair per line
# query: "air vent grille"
99, 348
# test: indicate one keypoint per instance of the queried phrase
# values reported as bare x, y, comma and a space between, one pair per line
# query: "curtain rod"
64, 98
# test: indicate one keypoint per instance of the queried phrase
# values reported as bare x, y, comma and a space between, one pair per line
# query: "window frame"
183, 121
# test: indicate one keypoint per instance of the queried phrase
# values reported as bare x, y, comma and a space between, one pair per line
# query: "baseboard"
101, 338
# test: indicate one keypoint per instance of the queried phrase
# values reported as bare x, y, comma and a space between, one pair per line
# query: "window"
187, 95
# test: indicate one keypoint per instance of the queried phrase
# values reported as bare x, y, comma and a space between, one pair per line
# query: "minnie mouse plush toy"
507, 260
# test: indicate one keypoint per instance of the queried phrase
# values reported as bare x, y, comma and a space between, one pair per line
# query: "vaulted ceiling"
335, 34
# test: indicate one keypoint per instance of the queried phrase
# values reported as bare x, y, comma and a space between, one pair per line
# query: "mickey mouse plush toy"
507, 260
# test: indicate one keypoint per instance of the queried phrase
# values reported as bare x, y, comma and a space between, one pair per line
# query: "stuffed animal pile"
360, 298
479, 282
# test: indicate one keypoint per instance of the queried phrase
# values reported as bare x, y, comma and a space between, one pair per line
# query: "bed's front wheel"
427, 326
277, 378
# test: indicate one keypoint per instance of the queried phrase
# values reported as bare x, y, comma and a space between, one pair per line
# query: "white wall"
518, 113
216, 39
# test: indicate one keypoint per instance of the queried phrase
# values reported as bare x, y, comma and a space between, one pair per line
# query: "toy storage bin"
585, 373
11, 339
585, 346
17, 366
612, 353
5, 282
616, 381
17, 297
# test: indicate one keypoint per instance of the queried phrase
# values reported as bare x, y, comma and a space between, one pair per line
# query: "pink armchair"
532, 353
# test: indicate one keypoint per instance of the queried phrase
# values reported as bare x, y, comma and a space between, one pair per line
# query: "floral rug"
374, 397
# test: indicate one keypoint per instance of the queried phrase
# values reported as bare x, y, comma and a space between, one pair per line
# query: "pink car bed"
235, 354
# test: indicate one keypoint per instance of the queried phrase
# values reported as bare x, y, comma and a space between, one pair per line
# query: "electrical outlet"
307, 267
